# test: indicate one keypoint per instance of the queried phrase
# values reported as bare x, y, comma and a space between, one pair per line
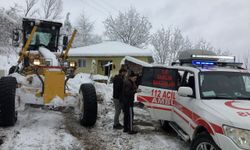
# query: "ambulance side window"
159, 77
147, 76
179, 78
189, 81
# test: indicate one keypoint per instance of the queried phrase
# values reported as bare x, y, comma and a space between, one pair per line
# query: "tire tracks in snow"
103, 137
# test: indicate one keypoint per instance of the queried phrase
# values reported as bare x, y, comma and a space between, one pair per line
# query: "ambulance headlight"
240, 137
36, 62
72, 64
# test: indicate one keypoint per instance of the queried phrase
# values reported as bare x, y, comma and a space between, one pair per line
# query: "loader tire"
88, 105
8, 115
13, 69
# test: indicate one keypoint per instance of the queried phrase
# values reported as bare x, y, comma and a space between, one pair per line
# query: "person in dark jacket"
128, 92
117, 95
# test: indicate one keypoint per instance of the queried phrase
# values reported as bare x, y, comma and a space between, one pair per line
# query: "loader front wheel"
88, 105
8, 115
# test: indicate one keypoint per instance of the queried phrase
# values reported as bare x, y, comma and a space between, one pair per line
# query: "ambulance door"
182, 110
158, 91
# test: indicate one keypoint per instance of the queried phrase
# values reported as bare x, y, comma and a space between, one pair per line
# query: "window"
189, 81
224, 85
105, 63
247, 83
82, 62
160, 78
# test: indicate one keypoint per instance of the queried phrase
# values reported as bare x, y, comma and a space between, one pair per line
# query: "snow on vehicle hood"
235, 111
48, 55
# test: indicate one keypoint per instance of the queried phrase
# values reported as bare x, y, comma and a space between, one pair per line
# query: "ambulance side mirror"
185, 91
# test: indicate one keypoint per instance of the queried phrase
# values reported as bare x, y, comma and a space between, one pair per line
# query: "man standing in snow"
128, 92
117, 95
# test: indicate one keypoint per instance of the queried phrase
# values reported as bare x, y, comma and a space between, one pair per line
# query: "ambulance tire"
8, 114
88, 104
165, 125
203, 139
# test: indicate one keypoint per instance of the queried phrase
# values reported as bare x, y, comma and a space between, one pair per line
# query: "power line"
110, 5
94, 7
101, 6
106, 6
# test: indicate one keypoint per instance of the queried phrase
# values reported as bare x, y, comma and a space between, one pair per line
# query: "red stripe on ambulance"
191, 115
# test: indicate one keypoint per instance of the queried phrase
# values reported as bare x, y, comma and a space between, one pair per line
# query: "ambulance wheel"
8, 115
203, 141
164, 125
88, 105
13, 69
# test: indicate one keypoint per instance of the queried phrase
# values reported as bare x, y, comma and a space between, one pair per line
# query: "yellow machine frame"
54, 80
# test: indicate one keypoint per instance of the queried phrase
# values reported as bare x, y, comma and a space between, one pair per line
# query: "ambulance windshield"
225, 85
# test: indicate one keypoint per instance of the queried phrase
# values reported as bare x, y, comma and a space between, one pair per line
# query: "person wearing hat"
117, 96
128, 92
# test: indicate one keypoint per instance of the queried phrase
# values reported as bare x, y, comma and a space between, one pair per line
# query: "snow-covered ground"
6, 61
43, 129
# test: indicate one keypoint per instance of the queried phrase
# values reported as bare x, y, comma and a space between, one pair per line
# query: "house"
105, 58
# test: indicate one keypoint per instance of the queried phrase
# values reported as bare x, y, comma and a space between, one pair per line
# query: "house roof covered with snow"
110, 48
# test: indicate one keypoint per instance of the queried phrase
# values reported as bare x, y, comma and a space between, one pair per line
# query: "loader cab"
47, 34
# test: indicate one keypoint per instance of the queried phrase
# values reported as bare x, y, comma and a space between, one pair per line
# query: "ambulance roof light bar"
212, 57
203, 63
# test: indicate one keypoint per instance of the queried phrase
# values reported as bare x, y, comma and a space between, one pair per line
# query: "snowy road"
45, 129
103, 137
40, 129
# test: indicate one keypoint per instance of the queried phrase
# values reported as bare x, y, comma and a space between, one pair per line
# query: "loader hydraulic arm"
22, 54
65, 54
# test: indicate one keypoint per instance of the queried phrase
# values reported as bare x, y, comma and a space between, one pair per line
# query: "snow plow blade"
53, 85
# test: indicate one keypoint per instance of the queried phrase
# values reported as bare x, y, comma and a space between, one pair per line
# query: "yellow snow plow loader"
41, 56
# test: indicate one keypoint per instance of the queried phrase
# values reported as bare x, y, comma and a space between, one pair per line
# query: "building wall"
98, 69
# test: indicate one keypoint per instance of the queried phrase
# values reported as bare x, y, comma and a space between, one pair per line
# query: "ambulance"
205, 98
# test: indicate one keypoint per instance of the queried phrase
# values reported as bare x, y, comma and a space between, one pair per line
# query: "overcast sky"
223, 23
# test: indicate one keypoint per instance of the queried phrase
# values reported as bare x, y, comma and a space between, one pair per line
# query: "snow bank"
106, 91
29, 80
39, 129
7, 61
99, 77
75, 83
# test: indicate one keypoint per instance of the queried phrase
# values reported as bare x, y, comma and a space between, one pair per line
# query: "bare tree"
29, 9
67, 27
168, 43
203, 45
246, 60
128, 27
85, 35
9, 20
161, 42
52, 9
176, 44
187, 45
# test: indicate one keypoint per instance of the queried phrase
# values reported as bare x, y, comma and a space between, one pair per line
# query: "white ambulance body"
205, 102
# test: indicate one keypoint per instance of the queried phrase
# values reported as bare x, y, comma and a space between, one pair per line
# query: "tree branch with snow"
128, 27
